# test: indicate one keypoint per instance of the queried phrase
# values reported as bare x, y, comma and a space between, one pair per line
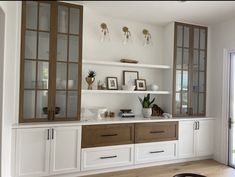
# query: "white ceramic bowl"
128, 87
70, 84
154, 87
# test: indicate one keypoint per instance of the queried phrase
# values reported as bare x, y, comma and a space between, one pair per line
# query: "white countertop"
116, 120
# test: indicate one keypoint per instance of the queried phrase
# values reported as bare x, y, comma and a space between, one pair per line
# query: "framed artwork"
140, 84
129, 77
112, 83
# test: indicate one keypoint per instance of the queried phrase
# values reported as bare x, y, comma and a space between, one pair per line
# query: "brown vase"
90, 81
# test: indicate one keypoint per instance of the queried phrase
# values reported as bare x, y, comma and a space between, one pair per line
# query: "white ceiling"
163, 12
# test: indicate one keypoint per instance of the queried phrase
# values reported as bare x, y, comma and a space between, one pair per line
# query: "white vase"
147, 112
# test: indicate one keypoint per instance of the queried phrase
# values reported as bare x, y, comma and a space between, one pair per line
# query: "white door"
186, 139
204, 138
32, 152
65, 149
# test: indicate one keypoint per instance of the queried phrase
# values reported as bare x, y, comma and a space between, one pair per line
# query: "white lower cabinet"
106, 157
45, 151
196, 138
154, 152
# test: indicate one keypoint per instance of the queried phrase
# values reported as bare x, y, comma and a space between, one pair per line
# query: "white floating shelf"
119, 64
124, 92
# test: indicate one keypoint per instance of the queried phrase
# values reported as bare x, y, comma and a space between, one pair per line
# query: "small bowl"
128, 87
70, 84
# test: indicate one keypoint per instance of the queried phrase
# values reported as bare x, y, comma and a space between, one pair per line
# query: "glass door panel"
31, 14
44, 16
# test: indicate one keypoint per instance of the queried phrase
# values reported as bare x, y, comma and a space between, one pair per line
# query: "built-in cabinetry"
48, 150
51, 61
190, 54
196, 138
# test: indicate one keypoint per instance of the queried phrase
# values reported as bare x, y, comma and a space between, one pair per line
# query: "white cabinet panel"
204, 138
32, 152
65, 149
106, 157
186, 139
153, 152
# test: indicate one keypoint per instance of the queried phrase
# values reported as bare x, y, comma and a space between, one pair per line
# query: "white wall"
10, 81
222, 37
114, 50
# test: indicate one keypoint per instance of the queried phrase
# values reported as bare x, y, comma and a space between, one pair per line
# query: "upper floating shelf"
119, 64
126, 92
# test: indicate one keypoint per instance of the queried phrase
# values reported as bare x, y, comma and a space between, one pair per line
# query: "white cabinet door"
65, 149
204, 138
32, 152
186, 139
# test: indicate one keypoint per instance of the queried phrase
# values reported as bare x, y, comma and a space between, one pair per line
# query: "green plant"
91, 73
146, 103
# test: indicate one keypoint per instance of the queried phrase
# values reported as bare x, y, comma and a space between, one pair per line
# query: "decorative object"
127, 35
45, 110
109, 114
129, 77
147, 38
156, 110
126, 113
123, 60
101, 85
140, 84
112, 83
70, 84
104, 33
154, 87
128, 87
90, 79
146, 103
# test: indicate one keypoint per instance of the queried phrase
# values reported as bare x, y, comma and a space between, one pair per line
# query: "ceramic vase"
90, 81
147, 112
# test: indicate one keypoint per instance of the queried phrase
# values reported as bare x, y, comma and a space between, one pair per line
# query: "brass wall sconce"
104, 33
127, 35
147, 37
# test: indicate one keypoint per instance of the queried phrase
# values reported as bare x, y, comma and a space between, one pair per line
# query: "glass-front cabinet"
51, 60
190, 51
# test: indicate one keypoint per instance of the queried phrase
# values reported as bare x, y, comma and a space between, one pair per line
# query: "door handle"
198, 125
109, 135
52, 133
154, 152
195, 125
48, 134
152, 132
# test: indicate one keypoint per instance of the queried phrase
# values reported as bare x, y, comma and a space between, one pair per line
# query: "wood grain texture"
209, 168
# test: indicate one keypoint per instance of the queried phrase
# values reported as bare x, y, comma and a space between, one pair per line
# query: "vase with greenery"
146, 104
90, 79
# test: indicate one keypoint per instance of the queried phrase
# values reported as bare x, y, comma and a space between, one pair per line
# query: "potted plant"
146, 103
90, 79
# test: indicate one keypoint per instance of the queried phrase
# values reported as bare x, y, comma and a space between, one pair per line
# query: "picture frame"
141, 84
112, 83
129, 77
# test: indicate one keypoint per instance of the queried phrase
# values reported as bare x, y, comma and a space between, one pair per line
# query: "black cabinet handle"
154, 152
48, 134
109, 135
109, 157
152, 132
52, 135
198, 125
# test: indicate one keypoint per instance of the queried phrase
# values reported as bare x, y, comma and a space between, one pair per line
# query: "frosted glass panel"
186, 36
44, 16
201, 108
179, 58
29, 104
196, 38
43, 46
185, 81
43, 75
195, 60
74, 20
177, 102
202, 61
73, 48
186, 59
29, 74
62, 19
201, 81
178, 80
72, 104
61, 104
61, 76
62, 43
195, 81
42, 104
180, 36
30, 44
31, 14
195, 103
202, 38
73, 76
184, 103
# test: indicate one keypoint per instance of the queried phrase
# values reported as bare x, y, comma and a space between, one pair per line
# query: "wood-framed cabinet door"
35, 61
65, 149
68, 61
32, 152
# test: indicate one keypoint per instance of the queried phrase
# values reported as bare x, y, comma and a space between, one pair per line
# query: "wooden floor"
208, 168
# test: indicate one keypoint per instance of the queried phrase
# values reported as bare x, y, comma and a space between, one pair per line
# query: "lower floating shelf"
125, 92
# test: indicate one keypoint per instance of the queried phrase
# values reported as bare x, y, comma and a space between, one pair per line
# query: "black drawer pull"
154, 152
157, 132
109, 135
108, 157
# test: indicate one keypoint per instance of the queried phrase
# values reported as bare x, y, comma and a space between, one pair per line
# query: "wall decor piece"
129, 77
112, 83
90, 79
104, 33
140, 84
147, 38
127, 35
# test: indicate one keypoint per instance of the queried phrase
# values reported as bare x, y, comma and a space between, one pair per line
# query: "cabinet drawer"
106, 157
107, 135
152, 132
153, 152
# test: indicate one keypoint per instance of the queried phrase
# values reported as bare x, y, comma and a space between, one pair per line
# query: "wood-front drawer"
106, 157
153, 152
152, 132
107, 135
